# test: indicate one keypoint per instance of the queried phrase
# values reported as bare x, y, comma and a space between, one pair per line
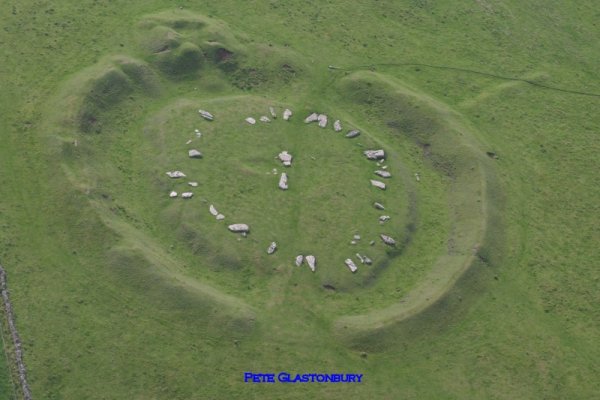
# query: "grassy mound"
448, 148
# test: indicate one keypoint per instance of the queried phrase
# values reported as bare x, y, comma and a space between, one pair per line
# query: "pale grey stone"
367, 260
239, 228
387, 240
287, 114
193, 153
378, 206
383, 174
299, 260
322, 118
312, 262
272, 248
193, 184
356, 237
384, 218
175, 174
206, 115
378, 184
220, 217
417, 177
213, 210
250, 120
173, 194
350, 264
272, 112
187, 195
362, 260
283, 181
311, 118
285, 158
264, 118
372, 243
337, 125
374, 154
353, 133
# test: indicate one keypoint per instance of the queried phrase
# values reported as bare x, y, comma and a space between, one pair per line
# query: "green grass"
121, 292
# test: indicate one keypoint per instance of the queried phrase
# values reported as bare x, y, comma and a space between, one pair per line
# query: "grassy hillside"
121, 292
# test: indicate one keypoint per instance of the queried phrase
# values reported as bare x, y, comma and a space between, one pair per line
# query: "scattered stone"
198, 134
274, 171
299, 260
374, 154
384, 218
283, 181
272, 112
364, 259
250, 120
239, 228
378, 206
206, 115
193, 184
272, 248
337, 125
220, 217
350, 264
387, 240
356, 237
384, 167
189, 141
175, 174
312, 262
287, 114
285, 157
383, 174
372, 243
187, 195
353, 133
264, 118
311, 118
322, 118
353, 242
378, 184
213, 210
417, 177
173, 194
193, 153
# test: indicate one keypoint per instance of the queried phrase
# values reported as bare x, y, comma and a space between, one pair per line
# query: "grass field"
123, 293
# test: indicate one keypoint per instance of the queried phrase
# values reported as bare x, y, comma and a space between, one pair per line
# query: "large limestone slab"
350, 264
193, 153
175, 174
187, 195
239, 228
374, 154
353, 133
206, 115
312, 262
337, 125
283, 181
213, 210
322, 118
311, 118
285, 158
250, 120
287, 114
383, 174
378, 184
299, 260
272, 248
387, 240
